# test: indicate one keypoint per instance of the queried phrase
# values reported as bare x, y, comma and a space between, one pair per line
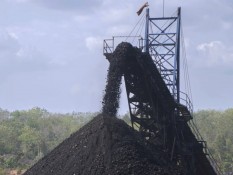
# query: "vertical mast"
147, 31
177, 59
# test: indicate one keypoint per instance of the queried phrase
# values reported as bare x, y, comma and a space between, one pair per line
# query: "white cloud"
75, 89
82, 7
93, 43
8, 42
81, 18
16, 57
119, 30
13, 35
226, 25
19, 1
50, 38
216, 53
116, 15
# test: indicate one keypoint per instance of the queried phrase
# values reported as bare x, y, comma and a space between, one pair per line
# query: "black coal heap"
107, 145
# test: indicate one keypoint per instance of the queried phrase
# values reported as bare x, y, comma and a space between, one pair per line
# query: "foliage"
216, 129
2, 171
28, 135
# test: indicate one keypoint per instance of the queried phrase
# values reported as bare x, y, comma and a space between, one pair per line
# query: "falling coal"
115, 71
112, 91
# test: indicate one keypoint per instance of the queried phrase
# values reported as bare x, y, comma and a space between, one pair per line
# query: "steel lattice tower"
157, 106
162, 42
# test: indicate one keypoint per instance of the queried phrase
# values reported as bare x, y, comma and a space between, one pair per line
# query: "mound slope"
105, 146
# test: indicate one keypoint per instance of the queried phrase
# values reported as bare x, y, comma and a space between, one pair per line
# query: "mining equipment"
158, 108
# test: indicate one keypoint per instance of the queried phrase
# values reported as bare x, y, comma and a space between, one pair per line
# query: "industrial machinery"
158, 108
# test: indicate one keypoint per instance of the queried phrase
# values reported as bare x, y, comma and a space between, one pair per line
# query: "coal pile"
105, 146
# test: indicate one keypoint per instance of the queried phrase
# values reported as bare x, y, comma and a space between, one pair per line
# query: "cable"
185, 67
135, 26
139, 29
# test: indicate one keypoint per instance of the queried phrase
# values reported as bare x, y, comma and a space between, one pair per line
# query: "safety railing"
141, 44
186, 101
205, 148
108, 46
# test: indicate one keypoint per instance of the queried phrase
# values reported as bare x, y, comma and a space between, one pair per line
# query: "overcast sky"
51, 50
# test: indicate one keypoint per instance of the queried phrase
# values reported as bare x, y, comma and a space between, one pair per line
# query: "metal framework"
162, 42
158, 108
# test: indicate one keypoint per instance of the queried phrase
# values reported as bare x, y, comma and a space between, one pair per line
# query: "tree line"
216, 127
28, 135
